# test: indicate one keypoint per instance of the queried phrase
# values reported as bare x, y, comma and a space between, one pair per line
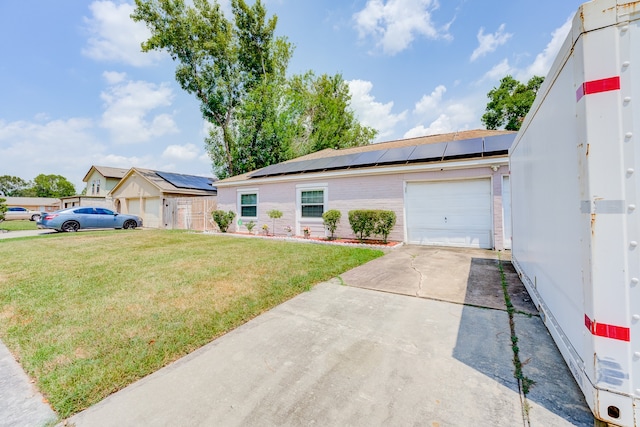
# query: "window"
98, 187
312, 203
249, 205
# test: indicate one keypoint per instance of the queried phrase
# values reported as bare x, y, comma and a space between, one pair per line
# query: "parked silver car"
17, 212
78, 218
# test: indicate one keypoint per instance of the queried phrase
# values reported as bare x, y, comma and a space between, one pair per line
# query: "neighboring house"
449, 189
42, 204
166, 199
100, 180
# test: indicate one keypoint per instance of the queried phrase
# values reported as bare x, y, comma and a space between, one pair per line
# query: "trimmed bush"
223, 219
274, 214
331, 218
384, 224
367, 221
362, 222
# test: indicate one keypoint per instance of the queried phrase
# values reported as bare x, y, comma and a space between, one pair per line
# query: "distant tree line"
237, 69
42, 186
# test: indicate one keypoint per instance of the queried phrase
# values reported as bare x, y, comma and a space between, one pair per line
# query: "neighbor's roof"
321, 160
107, 172
170, 182
32, 201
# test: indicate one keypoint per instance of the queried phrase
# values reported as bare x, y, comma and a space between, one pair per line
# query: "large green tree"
13, 186
237, 71
324, 119
510, 102
52, 186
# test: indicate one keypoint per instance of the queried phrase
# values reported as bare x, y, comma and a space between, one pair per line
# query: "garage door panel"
450, 213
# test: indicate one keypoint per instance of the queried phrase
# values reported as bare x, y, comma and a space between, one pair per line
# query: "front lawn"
88, 313
22, 224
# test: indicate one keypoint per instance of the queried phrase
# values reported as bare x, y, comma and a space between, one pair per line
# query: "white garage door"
152, 213
449, 213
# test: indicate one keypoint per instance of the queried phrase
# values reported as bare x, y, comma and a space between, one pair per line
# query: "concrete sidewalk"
20, 402
340, 355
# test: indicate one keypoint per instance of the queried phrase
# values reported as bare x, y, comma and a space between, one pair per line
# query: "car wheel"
70, 226
35, 217
129, 224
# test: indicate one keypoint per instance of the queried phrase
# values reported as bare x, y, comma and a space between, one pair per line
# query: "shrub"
3, 208
367, 222
331, 218
385, 222
274, 214
223, 219
362, 223
250, 225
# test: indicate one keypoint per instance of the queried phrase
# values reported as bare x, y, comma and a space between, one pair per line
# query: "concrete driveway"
420, 349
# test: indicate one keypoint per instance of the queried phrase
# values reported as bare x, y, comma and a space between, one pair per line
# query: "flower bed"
322, 240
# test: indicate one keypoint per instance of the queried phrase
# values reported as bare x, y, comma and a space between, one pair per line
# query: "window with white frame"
248, 205
312, 203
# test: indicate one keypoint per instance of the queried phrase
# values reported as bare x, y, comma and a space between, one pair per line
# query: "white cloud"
371, 112
544, 60
434, 115
113, 77
28, 149
127, 107
498, 71
489, 42
394, 24
115, 36
430, 102
181, 152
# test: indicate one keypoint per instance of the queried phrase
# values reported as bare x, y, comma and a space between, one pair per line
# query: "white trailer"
575, 200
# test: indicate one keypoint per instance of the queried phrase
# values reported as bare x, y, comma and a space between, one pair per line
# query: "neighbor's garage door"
449, 213
152, 212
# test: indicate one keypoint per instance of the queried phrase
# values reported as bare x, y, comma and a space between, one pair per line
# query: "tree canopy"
237, 70
42, 186
510, 102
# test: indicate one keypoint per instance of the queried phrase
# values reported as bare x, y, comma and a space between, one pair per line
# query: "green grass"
16, 225
89, 313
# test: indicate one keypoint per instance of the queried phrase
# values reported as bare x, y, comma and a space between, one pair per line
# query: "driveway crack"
413, 259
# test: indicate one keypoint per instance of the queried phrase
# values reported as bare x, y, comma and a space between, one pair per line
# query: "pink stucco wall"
345, 193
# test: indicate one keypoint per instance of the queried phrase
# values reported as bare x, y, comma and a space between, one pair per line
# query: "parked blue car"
80, 217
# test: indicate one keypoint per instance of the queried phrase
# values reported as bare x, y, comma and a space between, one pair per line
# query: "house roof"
471, 144
169, 182
107, 172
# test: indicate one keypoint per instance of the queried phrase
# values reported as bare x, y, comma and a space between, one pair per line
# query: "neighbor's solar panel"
498, 144
187, 181
428, 152
463, 148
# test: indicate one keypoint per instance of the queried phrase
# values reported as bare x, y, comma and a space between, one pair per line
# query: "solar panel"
464, 148
320, 164
397, 155
368, 158
187, 181
343, 161
428, 152
498, 144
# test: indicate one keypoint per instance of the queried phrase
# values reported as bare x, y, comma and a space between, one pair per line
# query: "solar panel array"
191, 182
460, 149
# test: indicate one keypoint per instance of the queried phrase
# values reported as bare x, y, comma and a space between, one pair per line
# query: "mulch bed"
325, 240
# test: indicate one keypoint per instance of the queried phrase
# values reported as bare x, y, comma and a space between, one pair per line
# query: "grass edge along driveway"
87, 314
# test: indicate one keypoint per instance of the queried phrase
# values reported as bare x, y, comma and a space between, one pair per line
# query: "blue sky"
76, 91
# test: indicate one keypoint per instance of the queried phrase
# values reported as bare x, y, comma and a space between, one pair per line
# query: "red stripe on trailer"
607, 331
597, 86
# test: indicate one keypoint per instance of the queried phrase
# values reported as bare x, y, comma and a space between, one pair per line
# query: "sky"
76, 91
